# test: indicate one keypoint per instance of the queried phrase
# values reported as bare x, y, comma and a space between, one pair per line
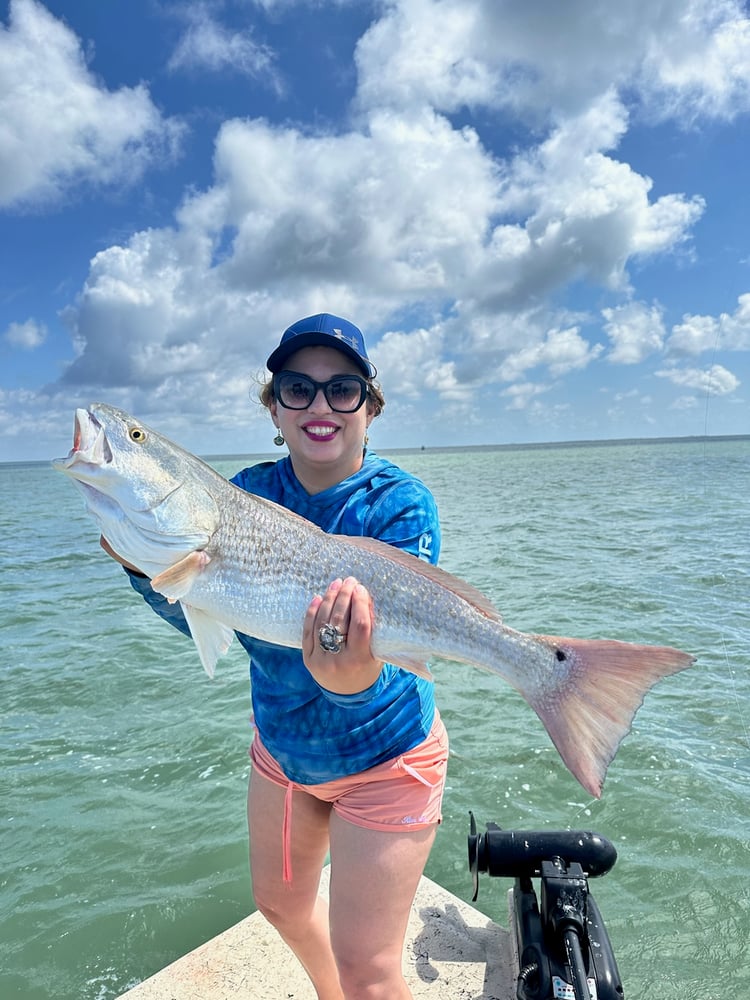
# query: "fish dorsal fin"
211, 637
444, 579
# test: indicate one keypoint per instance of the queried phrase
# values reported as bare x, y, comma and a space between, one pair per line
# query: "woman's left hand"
347, 606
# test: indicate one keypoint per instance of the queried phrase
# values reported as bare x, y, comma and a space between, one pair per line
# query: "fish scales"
248, 582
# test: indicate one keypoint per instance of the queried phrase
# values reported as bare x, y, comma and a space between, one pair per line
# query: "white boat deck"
452, 952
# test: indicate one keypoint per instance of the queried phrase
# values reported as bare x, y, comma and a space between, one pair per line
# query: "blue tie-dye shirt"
314, 734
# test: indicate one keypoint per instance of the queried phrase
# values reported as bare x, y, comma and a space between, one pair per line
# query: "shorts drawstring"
286, 835
414, 773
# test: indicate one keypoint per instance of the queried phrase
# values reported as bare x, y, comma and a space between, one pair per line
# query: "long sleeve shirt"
314, 734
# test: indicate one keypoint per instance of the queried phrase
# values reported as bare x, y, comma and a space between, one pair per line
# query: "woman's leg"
294, 908
374, 877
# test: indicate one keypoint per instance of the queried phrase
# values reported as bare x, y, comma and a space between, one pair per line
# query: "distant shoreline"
533, 445
510, 446
584, 443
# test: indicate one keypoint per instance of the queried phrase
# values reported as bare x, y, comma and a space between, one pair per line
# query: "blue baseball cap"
323, 330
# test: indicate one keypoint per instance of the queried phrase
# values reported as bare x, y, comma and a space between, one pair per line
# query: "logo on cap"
351, 340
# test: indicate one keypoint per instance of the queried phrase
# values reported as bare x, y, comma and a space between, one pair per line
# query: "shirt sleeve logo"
425, 547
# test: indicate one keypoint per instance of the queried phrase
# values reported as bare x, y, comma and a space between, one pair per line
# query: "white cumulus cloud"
60, 126
730, 331
715, 379
405, 209
28, 335
206, 44
676, 57
636, 331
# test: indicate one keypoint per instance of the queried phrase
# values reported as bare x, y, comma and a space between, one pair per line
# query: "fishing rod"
561, 946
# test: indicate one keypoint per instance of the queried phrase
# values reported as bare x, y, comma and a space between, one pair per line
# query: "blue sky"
537, 212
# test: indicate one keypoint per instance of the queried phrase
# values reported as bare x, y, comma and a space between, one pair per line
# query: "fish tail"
592, 711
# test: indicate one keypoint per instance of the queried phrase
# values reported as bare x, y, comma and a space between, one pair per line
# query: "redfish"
235, 561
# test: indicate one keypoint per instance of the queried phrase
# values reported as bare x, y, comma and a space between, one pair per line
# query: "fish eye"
137, 434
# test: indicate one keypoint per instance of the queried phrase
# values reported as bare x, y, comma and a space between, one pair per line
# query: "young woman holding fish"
349, 754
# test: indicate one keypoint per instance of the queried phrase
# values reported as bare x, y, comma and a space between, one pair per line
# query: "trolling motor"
562, 946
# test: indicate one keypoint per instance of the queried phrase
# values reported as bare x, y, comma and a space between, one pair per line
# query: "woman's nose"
319, 403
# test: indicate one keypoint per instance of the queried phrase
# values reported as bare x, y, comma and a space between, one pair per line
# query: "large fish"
236, 561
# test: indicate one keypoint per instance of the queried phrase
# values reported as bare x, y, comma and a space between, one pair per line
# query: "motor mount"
562, 943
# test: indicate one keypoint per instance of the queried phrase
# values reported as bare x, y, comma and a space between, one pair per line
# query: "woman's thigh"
307, 845
374, 877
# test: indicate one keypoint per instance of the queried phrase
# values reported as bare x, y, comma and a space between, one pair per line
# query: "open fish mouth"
90, 445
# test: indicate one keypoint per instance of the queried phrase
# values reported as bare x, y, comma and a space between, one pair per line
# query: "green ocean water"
124, 768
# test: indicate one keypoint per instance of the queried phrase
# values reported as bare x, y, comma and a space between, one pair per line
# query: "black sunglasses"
343, 393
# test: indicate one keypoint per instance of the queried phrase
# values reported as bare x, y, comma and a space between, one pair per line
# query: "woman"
349, 754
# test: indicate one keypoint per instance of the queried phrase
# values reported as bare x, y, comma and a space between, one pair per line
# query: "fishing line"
722, 637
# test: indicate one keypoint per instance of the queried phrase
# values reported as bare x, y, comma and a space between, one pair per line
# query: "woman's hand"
347, 606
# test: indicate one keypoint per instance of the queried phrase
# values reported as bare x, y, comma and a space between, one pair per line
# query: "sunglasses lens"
344, 393
293, 391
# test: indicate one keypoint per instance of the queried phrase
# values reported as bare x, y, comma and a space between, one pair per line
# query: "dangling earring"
367, 440
279, 439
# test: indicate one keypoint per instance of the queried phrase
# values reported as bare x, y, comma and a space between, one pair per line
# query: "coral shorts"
403, 793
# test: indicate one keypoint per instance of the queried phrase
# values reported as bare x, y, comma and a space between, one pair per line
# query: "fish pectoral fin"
175, 582
211, 637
